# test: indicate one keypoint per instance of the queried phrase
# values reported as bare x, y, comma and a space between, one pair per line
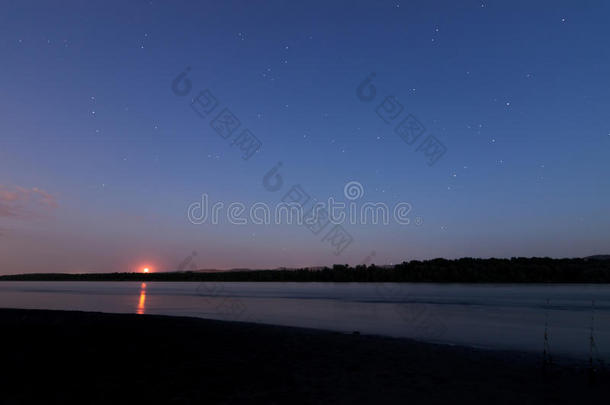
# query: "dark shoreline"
84, 357
465, 270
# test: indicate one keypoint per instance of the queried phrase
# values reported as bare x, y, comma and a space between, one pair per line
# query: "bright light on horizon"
146, 270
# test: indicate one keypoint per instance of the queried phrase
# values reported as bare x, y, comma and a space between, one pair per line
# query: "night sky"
100, 158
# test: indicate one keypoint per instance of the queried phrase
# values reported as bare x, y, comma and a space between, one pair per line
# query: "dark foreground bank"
94, 358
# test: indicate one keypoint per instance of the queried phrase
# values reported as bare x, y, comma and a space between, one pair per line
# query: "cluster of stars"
65, 42
143, 41
215, 156
92, 112
435, 32
267, 74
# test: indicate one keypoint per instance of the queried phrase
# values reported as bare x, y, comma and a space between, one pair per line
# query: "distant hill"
598, 257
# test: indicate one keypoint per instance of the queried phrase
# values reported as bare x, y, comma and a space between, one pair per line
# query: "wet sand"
95, 358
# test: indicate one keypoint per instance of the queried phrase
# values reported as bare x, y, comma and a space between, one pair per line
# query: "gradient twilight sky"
99, 159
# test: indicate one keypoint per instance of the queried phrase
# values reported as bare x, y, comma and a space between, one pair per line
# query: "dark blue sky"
99, 159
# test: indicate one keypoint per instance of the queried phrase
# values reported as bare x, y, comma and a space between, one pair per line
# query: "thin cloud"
21, 202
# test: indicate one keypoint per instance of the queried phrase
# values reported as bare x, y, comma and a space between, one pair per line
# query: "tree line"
465, 270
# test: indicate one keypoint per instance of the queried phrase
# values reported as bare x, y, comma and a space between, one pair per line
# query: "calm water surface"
502, 316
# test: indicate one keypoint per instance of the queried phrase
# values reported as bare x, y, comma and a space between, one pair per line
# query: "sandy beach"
82, 357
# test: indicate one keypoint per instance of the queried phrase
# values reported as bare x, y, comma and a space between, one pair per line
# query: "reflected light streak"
142, 302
